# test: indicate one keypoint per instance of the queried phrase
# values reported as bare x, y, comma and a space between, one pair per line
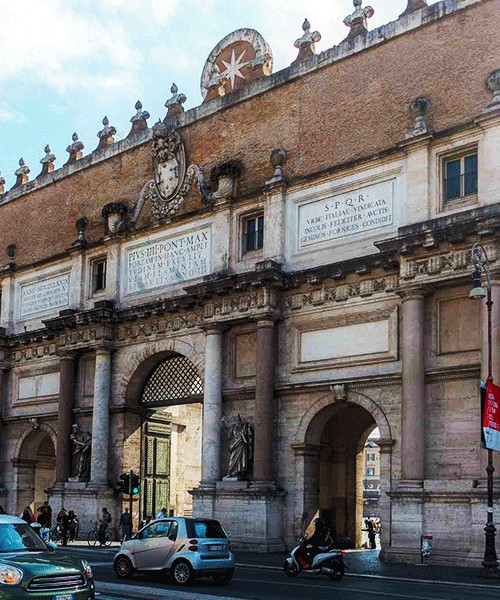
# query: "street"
260, 583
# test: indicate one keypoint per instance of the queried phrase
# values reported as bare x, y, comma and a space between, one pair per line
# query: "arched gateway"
330, 461
170, 395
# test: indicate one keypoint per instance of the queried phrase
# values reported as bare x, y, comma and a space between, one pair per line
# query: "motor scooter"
329, 561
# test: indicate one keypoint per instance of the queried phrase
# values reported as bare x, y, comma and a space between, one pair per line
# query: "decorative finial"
278, 158
139, 120
493, 84
47, 162
305, 44
419, 109
21, 173
74, 149
11, 254
2, 184
174, 104
413, 5
106, 135
357, 21
81, 225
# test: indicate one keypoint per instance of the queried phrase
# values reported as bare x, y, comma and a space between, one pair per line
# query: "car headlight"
87, 568
10, 575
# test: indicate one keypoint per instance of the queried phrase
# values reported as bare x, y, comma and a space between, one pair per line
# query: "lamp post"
481, 263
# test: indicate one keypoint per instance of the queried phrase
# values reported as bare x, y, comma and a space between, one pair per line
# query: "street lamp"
481, 263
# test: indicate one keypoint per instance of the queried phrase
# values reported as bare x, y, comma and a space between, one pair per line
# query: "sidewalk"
365, 563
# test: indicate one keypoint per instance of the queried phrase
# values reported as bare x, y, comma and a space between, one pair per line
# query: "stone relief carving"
81, 444
240, 448
167, 192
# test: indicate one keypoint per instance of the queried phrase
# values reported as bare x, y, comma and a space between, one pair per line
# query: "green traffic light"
135, 490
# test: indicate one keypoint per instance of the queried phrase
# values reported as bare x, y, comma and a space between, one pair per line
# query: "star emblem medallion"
233, 68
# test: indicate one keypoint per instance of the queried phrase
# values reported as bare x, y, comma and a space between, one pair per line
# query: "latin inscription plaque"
345, 214
169, 261
45, 295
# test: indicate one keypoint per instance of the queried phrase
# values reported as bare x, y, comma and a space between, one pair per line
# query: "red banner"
491, 416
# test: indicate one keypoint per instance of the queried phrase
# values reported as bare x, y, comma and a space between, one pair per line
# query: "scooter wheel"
337, 576
290, 569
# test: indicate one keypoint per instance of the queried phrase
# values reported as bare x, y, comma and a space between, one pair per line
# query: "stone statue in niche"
240, 448
81, 443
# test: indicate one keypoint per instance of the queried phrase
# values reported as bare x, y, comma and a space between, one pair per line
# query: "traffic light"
135, 483
124, 483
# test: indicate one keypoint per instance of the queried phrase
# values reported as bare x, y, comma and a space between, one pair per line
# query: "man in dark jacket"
126, 525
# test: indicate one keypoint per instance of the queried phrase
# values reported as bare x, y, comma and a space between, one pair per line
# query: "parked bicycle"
93, 536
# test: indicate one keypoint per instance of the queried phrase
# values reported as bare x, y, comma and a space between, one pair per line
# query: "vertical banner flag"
491, 416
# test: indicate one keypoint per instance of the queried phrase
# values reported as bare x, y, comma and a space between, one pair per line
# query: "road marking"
136, 591
344, 589
100, 564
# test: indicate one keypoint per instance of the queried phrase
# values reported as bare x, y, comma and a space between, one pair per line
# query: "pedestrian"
63, 522
148, 520
28, 515
72, 525
126, 524
163, 514
42, 518
371, 533
104, 522
2, 511
46, 508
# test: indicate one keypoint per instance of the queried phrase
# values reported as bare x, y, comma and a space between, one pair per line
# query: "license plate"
64, 597
216, 547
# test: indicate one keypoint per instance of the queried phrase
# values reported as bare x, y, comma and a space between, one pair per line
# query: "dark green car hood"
42, 563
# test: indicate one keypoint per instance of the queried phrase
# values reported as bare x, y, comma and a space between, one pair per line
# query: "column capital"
215, 328
266, 322
5, 366
104, 348
412, 293
306, 449
68, 354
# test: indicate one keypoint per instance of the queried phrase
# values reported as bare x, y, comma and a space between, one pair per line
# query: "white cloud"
7, 114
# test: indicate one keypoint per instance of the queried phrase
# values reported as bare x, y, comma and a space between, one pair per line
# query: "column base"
250, 512
87, 501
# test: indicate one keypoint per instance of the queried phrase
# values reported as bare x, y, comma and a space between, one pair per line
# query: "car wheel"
182, 572
223, 578
123, 567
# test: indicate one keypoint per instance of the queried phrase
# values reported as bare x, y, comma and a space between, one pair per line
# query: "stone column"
100, 417
264, 403
66, 401
413, 408
212, 409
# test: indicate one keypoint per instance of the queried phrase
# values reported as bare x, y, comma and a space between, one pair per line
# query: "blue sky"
64, 64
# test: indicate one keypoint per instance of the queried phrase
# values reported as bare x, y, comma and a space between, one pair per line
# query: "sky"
65, 64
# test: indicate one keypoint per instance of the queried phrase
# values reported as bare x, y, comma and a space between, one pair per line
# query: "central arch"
165, 392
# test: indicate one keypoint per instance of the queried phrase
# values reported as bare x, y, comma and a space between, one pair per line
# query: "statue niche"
81, 445
240, 448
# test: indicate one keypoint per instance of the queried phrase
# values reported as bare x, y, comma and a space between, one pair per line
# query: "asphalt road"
260, 584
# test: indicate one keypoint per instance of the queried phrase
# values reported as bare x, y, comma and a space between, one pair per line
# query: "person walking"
126, 524
63, 522
104, 522
72, 525
28, 515
163, 514
371, 533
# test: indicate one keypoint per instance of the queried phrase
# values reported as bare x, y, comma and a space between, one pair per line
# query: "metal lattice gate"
173, 381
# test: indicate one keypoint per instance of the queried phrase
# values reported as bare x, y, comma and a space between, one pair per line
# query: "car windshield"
18, 537
205, 529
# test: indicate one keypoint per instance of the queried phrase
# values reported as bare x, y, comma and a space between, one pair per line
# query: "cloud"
94, 44
7, 114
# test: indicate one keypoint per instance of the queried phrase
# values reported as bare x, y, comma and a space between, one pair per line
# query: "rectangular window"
253, 233
98, 275
371, 456
460, 176
370, 472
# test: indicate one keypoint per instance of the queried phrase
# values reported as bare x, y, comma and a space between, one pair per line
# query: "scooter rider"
318, 540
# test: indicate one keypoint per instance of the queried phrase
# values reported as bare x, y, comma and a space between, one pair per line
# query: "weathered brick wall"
353, 108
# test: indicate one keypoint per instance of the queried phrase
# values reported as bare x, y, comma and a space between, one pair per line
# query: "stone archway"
34, 467
163, 431
329, 449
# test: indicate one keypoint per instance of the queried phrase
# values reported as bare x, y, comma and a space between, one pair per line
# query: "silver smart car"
186, 548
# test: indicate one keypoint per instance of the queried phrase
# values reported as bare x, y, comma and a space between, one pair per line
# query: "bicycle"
93, 537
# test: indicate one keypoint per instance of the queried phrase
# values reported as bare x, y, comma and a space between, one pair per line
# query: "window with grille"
98, 275
460, 176
253, 233
175, 380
